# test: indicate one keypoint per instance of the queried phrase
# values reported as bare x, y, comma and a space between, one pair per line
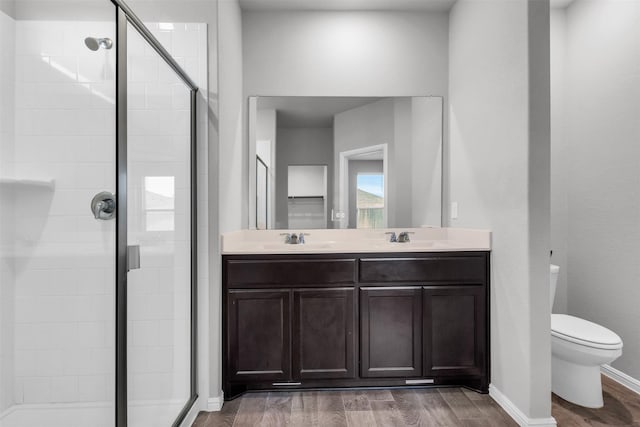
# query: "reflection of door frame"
343, 188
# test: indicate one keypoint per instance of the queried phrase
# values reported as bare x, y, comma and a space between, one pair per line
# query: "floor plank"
387, 413
437, 411
356, 400
410, 407
461, 405
331, 409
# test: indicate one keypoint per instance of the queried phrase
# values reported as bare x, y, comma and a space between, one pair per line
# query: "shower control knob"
103, 206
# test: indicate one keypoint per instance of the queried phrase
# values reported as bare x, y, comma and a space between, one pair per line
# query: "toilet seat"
583, 332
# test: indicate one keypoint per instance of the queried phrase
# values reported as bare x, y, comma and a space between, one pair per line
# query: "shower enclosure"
97, 216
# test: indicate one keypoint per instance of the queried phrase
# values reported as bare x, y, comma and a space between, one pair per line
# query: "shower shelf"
45, 184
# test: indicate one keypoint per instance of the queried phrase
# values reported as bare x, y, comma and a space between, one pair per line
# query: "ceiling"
310, 112
401, 5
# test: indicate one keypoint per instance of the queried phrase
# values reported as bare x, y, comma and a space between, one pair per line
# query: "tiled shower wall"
7, 67
65, 131
63, 325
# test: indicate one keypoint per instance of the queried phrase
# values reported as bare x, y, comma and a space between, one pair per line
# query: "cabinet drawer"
291, 272
466, 269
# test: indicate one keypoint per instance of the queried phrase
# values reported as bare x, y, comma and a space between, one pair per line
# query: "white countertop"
425, 239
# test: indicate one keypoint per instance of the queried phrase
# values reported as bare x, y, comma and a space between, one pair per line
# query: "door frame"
125, 16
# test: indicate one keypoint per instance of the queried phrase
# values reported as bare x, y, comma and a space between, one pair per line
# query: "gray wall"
499, 154
412, 130
559, 160
602, 130
301, 146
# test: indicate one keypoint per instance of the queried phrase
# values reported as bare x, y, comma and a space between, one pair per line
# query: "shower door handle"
133, 257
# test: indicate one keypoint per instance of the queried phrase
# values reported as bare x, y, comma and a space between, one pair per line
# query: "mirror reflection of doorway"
307, 196
369, 201
363, 187
262, 191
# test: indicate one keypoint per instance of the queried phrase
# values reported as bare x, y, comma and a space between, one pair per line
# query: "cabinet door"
454, 330
323, 334
391, 332
259, 335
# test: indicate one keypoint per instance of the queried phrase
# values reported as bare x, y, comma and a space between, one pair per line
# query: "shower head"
94, 43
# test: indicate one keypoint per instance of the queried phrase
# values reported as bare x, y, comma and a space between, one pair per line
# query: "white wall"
559, 156
342, 53
232, 161
601, 110
7, 149
499, 160
300, 146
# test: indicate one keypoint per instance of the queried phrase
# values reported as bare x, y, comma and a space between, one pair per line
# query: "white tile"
35, 38
185, 43
143, 69
37, 390
91, 334
158, 96
136, 95
92, 388
64, 389
62, 69
49, 362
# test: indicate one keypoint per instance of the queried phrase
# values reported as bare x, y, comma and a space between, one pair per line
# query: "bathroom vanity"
350, 309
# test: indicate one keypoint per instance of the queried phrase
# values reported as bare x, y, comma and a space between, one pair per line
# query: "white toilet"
578, 349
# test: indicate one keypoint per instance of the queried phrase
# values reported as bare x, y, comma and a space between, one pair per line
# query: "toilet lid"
583, 332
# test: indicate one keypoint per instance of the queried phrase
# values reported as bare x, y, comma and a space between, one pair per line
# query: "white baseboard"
622, 378
214, 404
515, 412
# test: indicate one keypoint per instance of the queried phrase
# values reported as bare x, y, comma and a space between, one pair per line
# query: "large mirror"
345, 162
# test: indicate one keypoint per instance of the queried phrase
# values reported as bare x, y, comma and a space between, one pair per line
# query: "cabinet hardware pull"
289, 384
415, 382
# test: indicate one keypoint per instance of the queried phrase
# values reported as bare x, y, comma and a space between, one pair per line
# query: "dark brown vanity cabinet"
259, 335
353, 320
391, 332
455, 330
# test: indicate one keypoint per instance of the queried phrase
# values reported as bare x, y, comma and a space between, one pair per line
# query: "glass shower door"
159, 346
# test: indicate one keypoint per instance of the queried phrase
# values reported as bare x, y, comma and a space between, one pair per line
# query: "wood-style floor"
425, 407
621, 408
446, 407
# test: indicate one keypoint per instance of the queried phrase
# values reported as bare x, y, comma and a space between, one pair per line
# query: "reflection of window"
159, 203
370, 200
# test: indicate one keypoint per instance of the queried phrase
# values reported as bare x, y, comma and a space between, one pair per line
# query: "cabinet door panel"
454, 340
259, 335
391, 332
323, 338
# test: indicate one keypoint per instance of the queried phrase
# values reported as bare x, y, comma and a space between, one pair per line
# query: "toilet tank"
554, 270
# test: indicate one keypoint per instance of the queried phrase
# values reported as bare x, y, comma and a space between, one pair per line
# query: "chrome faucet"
293, 238
404, 237
393, 238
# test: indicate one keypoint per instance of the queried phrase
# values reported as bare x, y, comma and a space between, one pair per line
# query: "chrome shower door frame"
124, 16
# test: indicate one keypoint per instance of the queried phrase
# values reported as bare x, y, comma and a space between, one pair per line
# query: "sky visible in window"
371, 183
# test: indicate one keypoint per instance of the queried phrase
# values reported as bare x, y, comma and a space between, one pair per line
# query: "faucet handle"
393, 238
287, 238
301, 237
404, 236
